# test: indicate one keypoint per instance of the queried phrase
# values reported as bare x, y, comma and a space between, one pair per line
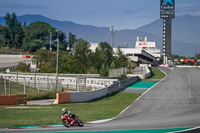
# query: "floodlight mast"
112, 34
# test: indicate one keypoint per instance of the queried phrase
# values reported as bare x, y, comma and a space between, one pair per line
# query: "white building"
144, 53
141, 44
93, 46
149, 47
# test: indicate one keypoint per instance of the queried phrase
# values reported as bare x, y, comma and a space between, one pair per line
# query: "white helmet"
63, 110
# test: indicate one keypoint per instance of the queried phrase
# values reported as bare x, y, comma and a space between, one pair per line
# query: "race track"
173, 103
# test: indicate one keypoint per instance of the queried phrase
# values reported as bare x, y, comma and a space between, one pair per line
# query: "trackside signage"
167, 4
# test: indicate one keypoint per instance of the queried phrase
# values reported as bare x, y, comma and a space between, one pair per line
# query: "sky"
122, 14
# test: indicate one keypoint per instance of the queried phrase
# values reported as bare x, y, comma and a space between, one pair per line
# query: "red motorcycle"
71, 120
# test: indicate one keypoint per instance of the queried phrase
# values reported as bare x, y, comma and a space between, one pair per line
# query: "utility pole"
112, 33
57, 59
50, 43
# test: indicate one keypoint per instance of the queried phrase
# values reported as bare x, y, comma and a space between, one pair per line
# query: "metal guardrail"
122, 83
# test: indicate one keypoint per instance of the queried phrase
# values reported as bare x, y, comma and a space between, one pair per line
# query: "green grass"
156, 74
103, 108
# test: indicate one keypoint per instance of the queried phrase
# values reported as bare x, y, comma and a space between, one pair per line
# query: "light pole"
50, 42
57, 59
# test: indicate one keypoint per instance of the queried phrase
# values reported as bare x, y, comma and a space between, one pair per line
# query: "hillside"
185, 32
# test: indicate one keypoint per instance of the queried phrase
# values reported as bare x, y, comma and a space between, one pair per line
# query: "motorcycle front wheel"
66, 124
80, 123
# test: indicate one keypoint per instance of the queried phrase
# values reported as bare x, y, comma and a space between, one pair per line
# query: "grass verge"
103, 108
156, 74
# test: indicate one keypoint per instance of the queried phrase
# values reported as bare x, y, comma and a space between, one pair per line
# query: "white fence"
49, 82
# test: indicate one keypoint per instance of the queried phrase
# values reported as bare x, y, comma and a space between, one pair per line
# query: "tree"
81, 56
103, 55
4, 37
43, 56
72, 40
122, 60
14, 29
67, 63
41, 31
112, 66
104, 70
45, 61
32, 46
62, 41
38, 31
22, 67
197, 56
92, 70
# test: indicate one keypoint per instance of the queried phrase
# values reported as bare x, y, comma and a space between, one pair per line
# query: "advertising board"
167, 14
189, 60
167, 4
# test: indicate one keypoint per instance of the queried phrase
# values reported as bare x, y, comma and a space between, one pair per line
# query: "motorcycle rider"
65, 111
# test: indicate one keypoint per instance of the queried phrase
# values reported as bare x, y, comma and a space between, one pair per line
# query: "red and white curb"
99, 121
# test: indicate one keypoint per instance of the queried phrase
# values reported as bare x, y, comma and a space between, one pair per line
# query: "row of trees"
36, 36
32, 37
84, 60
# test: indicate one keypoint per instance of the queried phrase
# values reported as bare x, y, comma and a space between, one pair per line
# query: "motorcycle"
71, 120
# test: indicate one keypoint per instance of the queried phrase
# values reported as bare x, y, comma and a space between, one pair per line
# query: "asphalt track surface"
173, 103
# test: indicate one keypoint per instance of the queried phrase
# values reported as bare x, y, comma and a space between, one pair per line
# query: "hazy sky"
123, 14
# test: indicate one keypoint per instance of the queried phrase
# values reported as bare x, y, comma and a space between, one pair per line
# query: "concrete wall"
87, 96
147, 71
76, 97
62, 98
142, 75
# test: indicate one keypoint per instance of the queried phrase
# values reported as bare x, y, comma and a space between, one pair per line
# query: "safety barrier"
13, 99
76, 97
63, 97
145, 72
8, 99
119, 84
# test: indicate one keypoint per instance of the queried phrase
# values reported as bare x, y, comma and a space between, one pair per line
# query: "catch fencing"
50, 82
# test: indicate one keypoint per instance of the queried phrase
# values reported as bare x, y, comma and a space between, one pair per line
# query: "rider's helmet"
63, 110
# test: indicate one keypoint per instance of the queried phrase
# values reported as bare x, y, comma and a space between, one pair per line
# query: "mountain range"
185, 32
